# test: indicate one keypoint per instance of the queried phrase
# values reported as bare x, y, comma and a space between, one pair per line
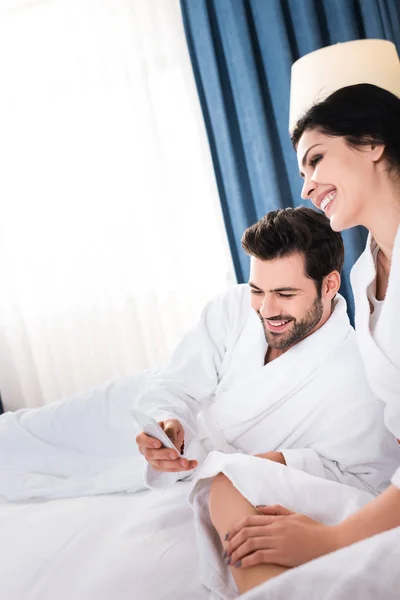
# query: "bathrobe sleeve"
352, 447
193, 371
304, 459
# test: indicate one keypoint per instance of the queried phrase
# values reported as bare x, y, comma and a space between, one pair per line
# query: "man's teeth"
278, 323
328, 198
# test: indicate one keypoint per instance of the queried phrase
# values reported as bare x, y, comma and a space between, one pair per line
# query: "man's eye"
256, 292
315, 160
286, 295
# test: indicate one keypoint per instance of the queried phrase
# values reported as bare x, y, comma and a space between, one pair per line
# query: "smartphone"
150, 427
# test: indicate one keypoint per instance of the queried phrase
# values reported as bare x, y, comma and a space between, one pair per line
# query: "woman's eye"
315, 160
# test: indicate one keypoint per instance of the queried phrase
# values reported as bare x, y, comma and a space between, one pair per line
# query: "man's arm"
274, 456
177, 392
192, 374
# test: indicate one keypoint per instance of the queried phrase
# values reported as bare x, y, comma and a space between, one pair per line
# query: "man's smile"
276, 326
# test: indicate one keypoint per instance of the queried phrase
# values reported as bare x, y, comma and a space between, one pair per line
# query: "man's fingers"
165, 459
162, 454
174, 466
146, 441
170, 464
274, 510
171, 430
174, 431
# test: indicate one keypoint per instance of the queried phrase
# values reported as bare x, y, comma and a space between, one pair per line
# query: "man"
273, 368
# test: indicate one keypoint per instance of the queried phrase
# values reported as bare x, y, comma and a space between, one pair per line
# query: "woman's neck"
383, 220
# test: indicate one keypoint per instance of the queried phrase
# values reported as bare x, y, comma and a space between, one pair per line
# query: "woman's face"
339, 180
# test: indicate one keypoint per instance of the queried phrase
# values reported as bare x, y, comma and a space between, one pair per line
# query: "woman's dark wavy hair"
299, 230
363, 114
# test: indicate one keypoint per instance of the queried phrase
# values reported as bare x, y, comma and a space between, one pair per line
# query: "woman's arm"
291, 539
379, 515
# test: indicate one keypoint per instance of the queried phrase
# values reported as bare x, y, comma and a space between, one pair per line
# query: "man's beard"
299, 329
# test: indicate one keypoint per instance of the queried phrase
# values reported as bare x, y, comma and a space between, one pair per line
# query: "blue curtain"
242, 52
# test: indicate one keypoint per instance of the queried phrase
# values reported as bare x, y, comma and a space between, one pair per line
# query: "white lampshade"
316, 75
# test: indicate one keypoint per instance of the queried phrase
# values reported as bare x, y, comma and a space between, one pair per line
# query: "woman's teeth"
328, 198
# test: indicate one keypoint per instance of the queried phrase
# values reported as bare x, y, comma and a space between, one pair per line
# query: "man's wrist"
274, 456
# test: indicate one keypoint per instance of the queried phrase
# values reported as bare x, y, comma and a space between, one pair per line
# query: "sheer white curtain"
111, 235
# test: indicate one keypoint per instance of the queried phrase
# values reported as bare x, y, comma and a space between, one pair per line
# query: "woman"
348, 150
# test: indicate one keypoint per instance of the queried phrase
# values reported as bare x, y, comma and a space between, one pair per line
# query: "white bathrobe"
380, 351
312, 403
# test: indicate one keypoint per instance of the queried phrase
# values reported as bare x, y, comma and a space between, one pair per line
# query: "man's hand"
161, 458
278, 536
274, 456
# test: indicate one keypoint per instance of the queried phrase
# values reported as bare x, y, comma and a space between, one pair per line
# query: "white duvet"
142, 547
114, 547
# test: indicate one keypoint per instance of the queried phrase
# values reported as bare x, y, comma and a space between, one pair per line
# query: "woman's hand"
278, 536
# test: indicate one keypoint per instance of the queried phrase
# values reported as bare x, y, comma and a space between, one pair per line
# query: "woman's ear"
376, 151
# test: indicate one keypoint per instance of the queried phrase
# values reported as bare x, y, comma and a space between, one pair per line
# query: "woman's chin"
339, 223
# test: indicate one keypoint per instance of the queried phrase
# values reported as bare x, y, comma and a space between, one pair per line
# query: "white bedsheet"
113, 547
142, 547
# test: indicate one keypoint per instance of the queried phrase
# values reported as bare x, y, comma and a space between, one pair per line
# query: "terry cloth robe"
312, 402
381, 350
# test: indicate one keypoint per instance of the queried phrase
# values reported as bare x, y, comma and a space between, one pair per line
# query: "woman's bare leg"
227, 507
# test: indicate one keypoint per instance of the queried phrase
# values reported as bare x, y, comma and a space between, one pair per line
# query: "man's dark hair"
297, 230
363, 114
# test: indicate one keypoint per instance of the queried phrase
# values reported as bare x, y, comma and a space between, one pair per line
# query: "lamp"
316, 75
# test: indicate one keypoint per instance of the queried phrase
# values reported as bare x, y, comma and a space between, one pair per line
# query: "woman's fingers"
253, 521
245, 538
250, 546
274, 510
270, 556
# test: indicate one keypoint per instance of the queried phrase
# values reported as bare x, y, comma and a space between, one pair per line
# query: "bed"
142, 547
120, 546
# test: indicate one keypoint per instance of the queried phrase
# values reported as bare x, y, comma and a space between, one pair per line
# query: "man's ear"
331, 285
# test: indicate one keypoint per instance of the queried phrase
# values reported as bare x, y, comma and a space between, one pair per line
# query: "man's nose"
269, 307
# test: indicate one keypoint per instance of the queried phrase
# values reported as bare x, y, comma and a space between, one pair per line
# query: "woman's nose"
308, 188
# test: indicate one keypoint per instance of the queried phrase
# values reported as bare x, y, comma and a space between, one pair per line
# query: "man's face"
285, 300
